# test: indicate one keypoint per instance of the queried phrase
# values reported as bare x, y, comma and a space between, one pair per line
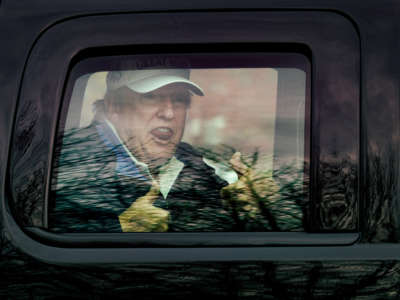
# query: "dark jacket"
88, 194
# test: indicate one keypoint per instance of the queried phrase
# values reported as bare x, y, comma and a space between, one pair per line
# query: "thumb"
237, 164
151, 195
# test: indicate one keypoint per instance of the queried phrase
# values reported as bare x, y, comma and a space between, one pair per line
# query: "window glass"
183, 143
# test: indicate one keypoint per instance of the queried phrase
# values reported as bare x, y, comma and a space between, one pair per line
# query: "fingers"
142, 216
238, 165
144, 219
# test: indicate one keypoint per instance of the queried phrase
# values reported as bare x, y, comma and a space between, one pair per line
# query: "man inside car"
147, 179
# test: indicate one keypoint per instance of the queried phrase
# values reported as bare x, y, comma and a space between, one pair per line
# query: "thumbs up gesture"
143, 216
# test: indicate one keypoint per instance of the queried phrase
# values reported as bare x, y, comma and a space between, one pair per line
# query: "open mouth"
162, 134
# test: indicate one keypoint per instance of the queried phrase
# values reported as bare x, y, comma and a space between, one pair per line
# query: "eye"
181, 99
149, 98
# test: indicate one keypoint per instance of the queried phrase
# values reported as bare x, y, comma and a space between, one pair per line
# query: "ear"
110, 109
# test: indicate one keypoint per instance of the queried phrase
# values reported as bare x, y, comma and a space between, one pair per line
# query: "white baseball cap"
145, 81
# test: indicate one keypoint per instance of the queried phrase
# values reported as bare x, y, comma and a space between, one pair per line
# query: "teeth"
163, 133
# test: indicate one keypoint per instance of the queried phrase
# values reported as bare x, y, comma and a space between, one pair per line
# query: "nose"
166, 111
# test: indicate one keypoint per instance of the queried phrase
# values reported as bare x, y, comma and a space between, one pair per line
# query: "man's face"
151, 125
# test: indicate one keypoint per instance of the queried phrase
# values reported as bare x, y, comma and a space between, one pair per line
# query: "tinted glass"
172, 143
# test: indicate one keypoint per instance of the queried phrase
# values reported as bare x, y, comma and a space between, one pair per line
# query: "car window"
204, 143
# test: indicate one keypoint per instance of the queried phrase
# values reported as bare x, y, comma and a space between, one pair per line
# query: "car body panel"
367, 269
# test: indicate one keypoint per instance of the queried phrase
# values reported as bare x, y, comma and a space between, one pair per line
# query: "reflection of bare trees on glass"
380, 215
87, 188
84, 178
23, 277
273, 200
337, 184
29, 197
84, 183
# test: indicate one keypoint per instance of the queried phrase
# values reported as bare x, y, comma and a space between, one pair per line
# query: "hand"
142, 216
246, 196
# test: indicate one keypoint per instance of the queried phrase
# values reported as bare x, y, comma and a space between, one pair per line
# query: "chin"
163, 152
160, 158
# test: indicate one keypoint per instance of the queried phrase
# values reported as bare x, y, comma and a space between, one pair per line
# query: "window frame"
44, 84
